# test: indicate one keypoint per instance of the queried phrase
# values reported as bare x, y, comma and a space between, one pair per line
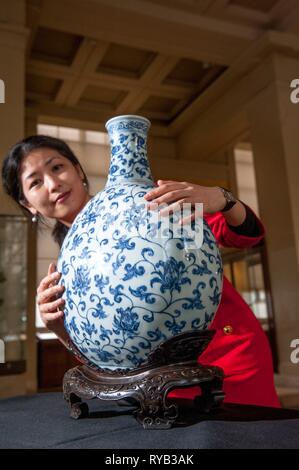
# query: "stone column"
13, 37
274, 122
31, 122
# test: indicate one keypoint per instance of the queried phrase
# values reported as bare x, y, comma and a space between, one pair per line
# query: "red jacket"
244, 353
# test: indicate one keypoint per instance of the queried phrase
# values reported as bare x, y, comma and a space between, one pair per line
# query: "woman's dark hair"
11, 172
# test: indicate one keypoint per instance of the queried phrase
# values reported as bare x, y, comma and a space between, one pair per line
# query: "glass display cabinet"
13, 293
247, 270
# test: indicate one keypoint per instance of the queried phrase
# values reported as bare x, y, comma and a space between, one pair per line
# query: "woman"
45, 178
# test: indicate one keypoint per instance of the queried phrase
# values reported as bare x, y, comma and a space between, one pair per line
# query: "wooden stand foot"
172, 365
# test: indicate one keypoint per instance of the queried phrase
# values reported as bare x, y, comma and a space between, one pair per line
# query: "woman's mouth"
62, 197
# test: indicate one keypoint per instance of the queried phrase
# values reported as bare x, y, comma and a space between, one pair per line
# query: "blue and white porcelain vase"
127, 286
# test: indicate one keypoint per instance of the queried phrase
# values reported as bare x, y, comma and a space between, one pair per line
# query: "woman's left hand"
175, 193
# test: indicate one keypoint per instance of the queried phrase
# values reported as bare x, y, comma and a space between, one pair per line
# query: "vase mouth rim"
127, 116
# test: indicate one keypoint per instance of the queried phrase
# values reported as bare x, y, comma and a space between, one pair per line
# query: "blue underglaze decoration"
128, 287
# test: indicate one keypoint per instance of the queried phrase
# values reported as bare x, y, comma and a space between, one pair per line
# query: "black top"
249, 227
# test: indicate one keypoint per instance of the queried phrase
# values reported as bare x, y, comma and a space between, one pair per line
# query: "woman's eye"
34, 183
57, 167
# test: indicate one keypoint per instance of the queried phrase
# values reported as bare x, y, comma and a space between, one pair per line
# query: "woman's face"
52, 185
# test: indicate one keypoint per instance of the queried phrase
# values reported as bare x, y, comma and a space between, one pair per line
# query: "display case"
247, 270
13, 293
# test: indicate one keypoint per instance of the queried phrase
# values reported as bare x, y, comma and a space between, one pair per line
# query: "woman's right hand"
50, 303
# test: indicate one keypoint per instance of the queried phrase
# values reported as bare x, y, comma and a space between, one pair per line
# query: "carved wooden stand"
173, 364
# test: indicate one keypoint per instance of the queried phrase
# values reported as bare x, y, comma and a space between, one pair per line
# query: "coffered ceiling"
88, 60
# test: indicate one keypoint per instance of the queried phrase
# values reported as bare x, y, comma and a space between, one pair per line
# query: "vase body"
127, 287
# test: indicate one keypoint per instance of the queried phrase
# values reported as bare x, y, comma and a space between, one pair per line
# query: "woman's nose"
53, 184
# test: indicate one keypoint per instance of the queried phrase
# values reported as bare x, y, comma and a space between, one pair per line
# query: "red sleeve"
227, 238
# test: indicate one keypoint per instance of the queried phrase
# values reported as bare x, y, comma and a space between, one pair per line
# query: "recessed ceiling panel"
42, 85
260, 5
187, 71
159, 104
94, 95
125, 61
55, 46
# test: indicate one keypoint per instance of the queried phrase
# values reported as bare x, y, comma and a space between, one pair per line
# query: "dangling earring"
84, 184
34, 218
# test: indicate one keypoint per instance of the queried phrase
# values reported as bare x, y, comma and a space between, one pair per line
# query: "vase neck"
128, 140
